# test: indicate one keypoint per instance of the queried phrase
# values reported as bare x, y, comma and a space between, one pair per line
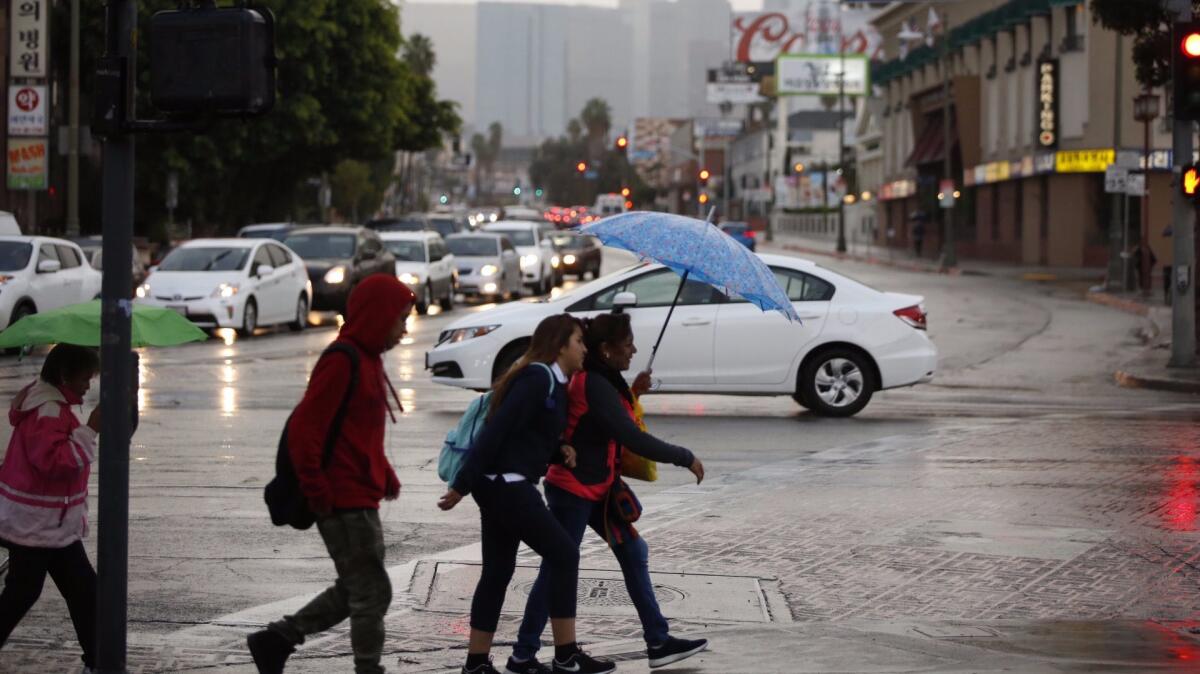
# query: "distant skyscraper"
532, 67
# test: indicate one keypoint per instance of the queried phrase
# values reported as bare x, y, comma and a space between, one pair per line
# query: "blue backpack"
462, 437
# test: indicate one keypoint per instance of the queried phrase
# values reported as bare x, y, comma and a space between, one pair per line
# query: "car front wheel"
836, 383
301, 321
249, 319
426, 300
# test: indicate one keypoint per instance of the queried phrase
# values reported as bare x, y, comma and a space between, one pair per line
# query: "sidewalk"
870, 253
1149, 370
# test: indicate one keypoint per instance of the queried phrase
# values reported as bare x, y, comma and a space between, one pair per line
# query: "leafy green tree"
351, 183
342, 94
1149, 24
554, 166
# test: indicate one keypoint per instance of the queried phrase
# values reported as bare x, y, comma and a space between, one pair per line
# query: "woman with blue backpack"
521, 436
604, 426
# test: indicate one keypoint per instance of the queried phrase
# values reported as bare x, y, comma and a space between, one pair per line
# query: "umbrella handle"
678, 292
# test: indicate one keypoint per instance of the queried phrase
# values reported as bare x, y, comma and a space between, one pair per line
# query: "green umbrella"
80, 324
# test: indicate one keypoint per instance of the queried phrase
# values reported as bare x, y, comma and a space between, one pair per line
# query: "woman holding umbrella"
601, 421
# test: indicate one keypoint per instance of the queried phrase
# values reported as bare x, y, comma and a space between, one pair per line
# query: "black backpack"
285, 501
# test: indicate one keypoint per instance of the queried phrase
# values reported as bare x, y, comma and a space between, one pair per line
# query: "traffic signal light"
704, 176
1190, 182
581, 166
1185, 70
703, 198
625, 192
622, 144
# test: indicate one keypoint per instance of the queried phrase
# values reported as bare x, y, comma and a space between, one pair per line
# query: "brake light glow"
914, 316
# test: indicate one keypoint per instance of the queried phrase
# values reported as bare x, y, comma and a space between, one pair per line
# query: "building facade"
1040, 104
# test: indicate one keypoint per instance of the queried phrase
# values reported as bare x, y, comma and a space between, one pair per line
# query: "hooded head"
373, 309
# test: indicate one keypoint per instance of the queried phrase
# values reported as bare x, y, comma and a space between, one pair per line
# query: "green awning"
1065, 3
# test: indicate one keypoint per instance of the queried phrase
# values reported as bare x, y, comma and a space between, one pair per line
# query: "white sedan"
853, 341
232, 283
38, 273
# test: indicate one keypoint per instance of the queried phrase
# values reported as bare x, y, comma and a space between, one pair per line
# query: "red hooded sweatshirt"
359, 474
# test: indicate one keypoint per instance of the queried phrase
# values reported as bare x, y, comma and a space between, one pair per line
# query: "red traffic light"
1190, 183
581, 166
1191, 44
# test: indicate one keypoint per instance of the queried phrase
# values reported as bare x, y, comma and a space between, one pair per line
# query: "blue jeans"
576, 514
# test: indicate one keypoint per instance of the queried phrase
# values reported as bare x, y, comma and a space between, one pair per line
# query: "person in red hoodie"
43, 494
345, 495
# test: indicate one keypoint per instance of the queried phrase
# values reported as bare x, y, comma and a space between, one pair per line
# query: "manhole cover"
610, 592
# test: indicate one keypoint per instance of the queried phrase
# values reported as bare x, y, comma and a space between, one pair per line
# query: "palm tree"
574, 130
597, 118
419, 55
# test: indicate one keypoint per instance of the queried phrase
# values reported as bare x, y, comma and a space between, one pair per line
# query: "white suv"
536, 251
425, 265
38, 273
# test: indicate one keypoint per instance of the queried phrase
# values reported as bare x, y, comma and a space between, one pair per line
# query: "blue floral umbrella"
695, 249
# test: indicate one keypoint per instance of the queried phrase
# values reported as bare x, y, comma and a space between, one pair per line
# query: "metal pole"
1146, 277
1116, 257
1183, 291
116, 358
949, 253
841, 122
73, 128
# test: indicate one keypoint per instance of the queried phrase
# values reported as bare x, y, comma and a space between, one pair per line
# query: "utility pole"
73, 127
116, 76
949, 253
1183, 286
841, 122
1116, 228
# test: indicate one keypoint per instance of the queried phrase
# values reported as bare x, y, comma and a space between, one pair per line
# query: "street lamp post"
949, 254
1145, 110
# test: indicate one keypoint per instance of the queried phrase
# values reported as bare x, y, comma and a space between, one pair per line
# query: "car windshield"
317, 246
407, 251
14, 255
398, 225
474, 246
519, 237
205, 259
277, 233
567, 241
444, 226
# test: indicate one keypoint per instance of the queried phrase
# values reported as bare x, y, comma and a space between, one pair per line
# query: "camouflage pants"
362, 592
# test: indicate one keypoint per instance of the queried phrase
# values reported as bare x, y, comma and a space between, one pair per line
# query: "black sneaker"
582, 663
674, 650
270, 650
530, 666
485, 668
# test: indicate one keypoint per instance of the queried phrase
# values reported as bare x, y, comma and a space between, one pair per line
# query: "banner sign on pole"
27, 110
27, 164
820, 75
28, 37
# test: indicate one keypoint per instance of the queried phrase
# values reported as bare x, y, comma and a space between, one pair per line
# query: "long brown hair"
549, 338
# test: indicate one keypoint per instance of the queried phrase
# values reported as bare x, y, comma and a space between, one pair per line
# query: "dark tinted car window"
316, 246
68, 257
14, 255
407, 251
279, 256
655, 289
47, 252
205, 259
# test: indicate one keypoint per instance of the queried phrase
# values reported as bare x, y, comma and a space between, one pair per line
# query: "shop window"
1074, 38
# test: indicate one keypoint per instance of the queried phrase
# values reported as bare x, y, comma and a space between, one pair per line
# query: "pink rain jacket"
44, 477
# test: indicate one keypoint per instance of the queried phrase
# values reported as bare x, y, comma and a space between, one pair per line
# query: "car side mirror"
48, 266
265, 270
624, 300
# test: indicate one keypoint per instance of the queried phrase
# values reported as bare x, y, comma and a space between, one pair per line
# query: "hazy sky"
738, 5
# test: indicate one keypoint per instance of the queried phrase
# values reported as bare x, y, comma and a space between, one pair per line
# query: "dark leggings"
511, 513
72, 573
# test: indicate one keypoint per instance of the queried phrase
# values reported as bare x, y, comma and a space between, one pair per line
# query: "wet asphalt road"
1020, 363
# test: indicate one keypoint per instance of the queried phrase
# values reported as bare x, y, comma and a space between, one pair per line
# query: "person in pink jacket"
43, 495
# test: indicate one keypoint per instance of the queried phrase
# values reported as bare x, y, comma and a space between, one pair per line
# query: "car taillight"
914, 316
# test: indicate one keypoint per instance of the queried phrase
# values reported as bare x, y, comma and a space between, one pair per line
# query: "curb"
1129, 306
870, 259
1126, 379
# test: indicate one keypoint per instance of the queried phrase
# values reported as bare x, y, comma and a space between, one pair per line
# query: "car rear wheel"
836, 382
447, 302
301, 321
249, 319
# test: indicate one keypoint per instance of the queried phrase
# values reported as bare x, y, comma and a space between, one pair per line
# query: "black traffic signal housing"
1185, 69
206, 60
